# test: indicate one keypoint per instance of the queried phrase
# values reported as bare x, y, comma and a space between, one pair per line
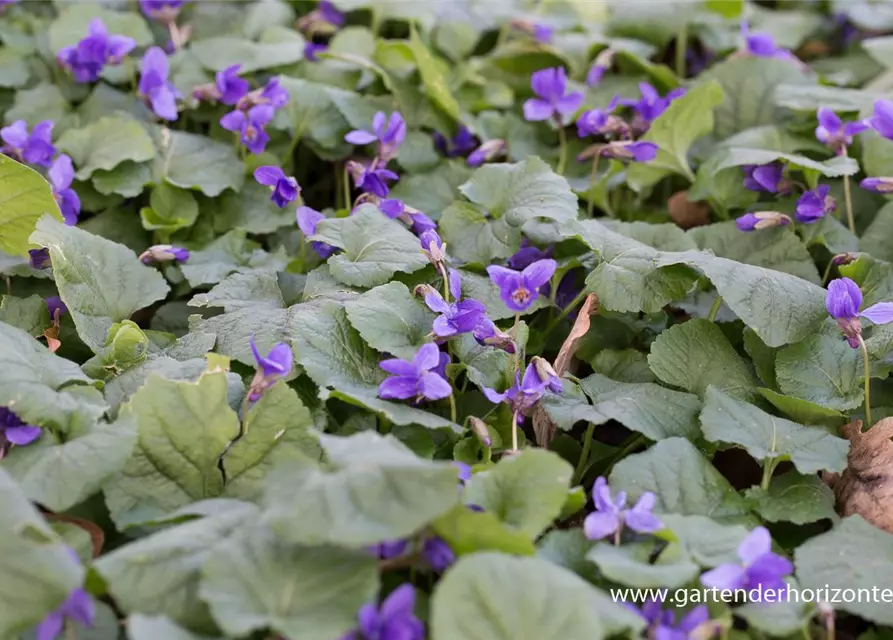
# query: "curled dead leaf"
543, 427
52, 337
688, 214
866, 485
97, 535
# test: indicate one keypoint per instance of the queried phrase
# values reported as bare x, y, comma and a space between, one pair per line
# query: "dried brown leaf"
543, 427
866, 485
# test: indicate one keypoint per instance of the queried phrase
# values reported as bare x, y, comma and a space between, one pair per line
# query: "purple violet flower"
163, 11
547, 374
420, 223
54, 304
761, 220
463, 471
274, 94
39, 258
250, 126
230, 87
596, 122
313, 49
527, 255
308, 219
813, 205
662, 624
762, 45
415, 379
765, 177
389, 549
164, 253
759, 568
371, 179
36, 148
438, 554
878, 185
388, 132
392, 208
638, 151
540, 32
519, 290
330, 13
275, 365
651, 104
882, 119
392, 620
526, 391
154, 85
285, 188
488, 334
611, 514
87, 59
458, 145
61, 174
569, 288
834, 133
77, 607
6, 3
14, 431
552, 101
602, 63
486, 152
435, 248
843, 300
455, 317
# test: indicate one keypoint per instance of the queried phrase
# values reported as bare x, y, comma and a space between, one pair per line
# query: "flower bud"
639, 151
489, 335
879, 185
433, 246
164, 253
762, 220
423, 290
844, 258
486, 152
547, 374
479, 428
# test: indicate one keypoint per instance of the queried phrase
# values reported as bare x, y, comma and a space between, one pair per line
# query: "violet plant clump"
341, 320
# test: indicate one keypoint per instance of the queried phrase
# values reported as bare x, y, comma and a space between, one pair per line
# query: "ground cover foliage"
401, 320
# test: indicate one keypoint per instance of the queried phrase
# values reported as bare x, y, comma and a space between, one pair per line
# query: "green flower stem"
517, 362
592, 175
561, 316
584, 455
681, 46
345, 184
768, 470
632, 443
562, 150
849, 204
714, 310
827, 272
867, 363
446, 282
453, 408
514, 430
848, 197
